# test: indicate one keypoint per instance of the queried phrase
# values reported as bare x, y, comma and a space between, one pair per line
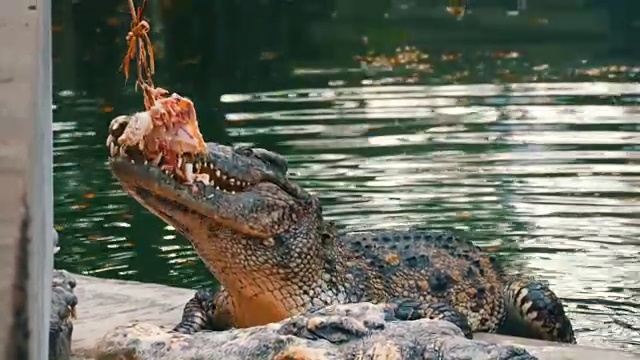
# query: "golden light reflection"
507, 65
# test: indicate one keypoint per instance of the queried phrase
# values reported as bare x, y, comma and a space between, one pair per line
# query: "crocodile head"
251, 225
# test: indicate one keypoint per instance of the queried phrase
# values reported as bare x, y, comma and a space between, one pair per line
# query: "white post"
40, 188
25, 167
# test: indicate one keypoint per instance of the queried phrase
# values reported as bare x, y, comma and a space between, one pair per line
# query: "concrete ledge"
106, 304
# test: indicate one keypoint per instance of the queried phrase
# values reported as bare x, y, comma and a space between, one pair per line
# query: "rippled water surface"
545, 173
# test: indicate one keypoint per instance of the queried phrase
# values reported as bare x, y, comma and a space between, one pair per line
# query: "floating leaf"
464, 215
113, 21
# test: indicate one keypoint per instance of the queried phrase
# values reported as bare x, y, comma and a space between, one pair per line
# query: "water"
536, 162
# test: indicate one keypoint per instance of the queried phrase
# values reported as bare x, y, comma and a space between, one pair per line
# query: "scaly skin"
265, 240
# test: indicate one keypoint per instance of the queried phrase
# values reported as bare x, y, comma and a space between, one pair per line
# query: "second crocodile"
265, 240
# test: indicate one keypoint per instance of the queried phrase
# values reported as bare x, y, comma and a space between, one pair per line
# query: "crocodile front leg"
534, 311
208, 309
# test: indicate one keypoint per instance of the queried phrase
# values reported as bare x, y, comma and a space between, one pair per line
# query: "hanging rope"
140, 49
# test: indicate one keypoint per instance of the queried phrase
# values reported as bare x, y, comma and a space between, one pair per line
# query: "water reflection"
545, 174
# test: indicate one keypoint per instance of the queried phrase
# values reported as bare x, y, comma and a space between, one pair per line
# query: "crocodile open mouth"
183, 168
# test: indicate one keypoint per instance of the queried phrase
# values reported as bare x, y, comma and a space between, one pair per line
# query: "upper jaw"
139, 140
222, 170
214, 169
214, 165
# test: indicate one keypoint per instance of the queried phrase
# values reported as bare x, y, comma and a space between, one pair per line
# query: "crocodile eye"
272, 159
244, 151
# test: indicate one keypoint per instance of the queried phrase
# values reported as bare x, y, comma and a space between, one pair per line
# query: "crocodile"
350, 331
265, 240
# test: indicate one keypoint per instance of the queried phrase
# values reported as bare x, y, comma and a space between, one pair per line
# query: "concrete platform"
104, 304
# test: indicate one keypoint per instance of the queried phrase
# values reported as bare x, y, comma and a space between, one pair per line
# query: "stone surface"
109, 308
63, 303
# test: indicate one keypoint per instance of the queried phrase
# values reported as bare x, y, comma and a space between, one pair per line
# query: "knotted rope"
141, 49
